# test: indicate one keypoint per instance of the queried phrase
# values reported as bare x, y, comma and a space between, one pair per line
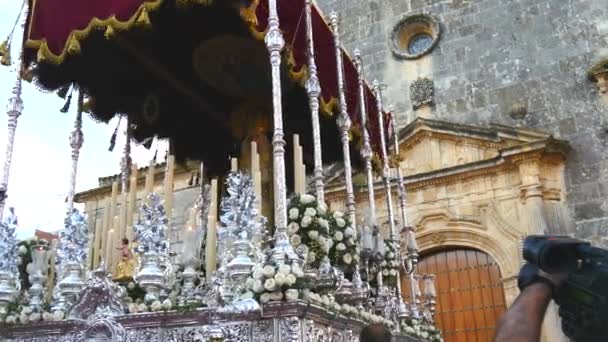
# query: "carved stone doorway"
470, 294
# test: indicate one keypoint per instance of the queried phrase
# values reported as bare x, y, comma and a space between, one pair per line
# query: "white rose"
322, 209
310, 212
249, 283
313, 234
356, 257
338, 236
285, 269
340, 222
347, 259
348, 232
268, 271
265, 297
297, 271
409, 330
424, 335
292, 294
26, 310
11, 319
294, 213
270, 284
338, 214
258, 273
383, 264
132, 308
142, 307
58, 315
156, 306
22, 250
276, 296
23, 318
325, 248
46, 316
307, 199
312, 257
167, 305
247, 295
296, 240
326, 301
341, 247
329, 242
290, 279
393, 272
35, 317
385, 272
336, 306
131, 285
391, 255
323, 223
293, 228
350, 242
258, 286
306, 221
280, 280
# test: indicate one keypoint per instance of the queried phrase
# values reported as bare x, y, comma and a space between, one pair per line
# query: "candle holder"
150, 277
37, 275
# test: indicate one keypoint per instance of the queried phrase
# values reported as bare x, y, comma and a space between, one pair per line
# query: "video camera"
583, 298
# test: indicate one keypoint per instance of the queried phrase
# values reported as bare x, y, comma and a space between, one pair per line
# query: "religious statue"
126, 266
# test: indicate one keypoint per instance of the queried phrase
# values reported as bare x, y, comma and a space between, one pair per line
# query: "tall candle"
150, 177
234, 165
302, 171
169, 173
296, 164
102, 239
211, 246
256, 174
131, 203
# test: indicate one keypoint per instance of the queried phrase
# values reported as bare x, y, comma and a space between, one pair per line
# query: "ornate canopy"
196, 71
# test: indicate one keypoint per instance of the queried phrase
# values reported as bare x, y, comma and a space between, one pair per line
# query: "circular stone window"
414, 36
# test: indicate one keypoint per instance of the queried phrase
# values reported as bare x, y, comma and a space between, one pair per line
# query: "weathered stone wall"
492, 55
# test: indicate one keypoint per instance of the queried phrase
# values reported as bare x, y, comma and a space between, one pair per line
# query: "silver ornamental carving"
8, 261
100, 295
150, 233
421, 92
274, 43
76, 142
101, 327
71, 256
13, 110
37, 271
313, 88
289, 329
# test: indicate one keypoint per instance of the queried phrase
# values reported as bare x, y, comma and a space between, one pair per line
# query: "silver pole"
275, 43
76, 142
14, 109
313, 88
366, 151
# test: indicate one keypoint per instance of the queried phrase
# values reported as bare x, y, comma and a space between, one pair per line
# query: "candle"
302, 171
112, 224
132, 201
211, 246
234, 165
102, 239
256, 174
149, 187
296, 164
169, 173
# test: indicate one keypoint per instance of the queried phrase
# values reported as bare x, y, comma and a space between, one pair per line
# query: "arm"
522, 322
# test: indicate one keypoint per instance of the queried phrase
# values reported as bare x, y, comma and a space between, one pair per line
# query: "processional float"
319, 274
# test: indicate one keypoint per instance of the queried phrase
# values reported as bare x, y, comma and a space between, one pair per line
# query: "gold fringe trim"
27, 74
248, 13
109, 34
139, 18
4, 49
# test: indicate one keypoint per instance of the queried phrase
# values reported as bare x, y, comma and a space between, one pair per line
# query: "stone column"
532, 196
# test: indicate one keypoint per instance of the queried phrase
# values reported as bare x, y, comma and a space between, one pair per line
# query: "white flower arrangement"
345, 252
389, 267
274, 283
422, 330
308, 228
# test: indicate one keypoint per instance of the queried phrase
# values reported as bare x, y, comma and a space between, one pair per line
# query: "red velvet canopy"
56, 30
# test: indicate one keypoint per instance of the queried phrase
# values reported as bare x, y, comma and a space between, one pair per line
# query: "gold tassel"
4, 48
73, 46
87, 106
27, 74
40, 56
6, 59
109, 32
144, 19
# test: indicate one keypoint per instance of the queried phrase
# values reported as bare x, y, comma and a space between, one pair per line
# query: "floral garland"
274, 283
308, 228
345, 252
422, 330
389, 266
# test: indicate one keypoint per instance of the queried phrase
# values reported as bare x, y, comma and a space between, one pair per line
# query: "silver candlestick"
14, 108
8, 264
76, 142
313, 88
274, 43
37, 275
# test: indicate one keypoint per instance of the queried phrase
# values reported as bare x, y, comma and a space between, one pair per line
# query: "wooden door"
470, 295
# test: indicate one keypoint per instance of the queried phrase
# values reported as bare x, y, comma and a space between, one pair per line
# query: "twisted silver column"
76, 142
275, 43
313, 88
13, 110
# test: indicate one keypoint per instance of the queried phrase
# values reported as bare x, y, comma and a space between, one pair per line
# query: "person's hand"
530, 274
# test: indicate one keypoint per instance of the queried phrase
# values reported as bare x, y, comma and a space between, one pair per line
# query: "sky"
41, 164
